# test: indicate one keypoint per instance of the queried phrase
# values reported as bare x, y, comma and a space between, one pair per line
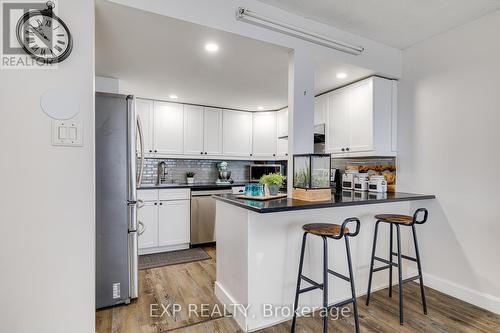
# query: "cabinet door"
144, 108
361, 117
237, 133
264, 134
193, 130
174, 222
168, 128
337, 139
212, 132
321, 109
147, 215
282, 119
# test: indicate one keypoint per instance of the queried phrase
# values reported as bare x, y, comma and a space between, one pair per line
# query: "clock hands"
39, 32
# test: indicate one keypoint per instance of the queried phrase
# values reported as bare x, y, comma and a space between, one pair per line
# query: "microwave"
259, 170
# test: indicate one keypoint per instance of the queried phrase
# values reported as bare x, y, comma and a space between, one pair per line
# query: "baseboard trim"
226, 299
466, 294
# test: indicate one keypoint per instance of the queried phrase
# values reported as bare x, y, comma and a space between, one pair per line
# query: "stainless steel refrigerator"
116, 199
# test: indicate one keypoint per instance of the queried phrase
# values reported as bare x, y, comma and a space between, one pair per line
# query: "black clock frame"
44, 12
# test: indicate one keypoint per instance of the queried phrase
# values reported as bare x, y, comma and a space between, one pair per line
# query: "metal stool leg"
325, 284
351, 277
419, 265
400, 276
390, 259
299, 279
372, 263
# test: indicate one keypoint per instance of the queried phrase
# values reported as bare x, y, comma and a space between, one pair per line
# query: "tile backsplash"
206, 170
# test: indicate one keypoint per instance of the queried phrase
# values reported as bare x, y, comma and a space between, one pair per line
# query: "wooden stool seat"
324, 229
395, 218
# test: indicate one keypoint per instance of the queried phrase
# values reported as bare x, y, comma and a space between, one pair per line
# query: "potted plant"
190, 177
272, 182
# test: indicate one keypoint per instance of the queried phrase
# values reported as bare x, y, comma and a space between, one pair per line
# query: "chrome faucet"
162, 172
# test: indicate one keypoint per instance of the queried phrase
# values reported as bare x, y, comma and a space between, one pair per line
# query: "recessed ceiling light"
260, 108
341, 75
173, 96
211, 47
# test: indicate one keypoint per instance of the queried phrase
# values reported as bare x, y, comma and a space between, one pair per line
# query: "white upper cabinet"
168, 128
361, 118
212, 135
282, 122
144, 109
237, 133
264, 134
320, 110
193, 130
337, 133
282, 119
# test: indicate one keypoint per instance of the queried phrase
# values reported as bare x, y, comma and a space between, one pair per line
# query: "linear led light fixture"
249, 16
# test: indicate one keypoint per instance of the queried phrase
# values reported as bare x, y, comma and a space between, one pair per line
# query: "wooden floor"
193, 283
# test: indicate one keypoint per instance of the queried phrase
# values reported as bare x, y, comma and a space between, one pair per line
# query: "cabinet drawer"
147, 195
174, 194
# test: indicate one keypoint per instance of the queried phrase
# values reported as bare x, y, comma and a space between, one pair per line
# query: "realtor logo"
12, 54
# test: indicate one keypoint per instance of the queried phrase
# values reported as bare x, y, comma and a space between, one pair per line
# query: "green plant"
190, 174
272, 179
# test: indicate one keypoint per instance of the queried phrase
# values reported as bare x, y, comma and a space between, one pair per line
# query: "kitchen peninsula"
258, 248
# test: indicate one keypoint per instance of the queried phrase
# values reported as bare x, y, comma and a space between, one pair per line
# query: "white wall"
107, 84
449, 134
47, 198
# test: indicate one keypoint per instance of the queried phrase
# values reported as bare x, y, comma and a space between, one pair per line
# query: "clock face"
44, 36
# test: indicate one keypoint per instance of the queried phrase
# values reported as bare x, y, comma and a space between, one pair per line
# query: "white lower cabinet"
172, 226
147, 216
164, 218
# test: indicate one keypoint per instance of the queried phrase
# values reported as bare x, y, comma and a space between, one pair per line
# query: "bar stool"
325, 231
397, 221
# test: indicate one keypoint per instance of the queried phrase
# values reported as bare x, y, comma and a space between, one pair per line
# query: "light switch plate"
67, 133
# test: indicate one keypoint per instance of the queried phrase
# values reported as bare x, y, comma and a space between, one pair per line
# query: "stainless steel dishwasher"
203, 215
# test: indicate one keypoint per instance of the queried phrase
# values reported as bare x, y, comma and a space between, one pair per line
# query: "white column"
300, 108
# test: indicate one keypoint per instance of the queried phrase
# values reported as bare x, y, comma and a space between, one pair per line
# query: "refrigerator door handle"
132, 217
133, 262
141, 140
131, 149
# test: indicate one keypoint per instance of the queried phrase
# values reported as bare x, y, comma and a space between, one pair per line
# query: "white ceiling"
398, 23
155, 56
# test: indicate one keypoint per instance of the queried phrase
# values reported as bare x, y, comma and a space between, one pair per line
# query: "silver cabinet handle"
140, 203
142, 228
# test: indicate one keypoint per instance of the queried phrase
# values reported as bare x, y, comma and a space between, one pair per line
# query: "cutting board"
263, 198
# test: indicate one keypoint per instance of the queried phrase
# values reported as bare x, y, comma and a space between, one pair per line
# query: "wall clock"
44, 36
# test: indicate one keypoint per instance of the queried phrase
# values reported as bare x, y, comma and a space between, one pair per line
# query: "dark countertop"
344, 198
195, 186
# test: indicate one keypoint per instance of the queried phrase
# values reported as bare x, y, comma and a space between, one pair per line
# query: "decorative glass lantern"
311, 171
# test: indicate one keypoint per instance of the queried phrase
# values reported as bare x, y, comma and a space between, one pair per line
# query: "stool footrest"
305, 290
405, 257
340, 304
340, 276
314, 283
411, 279
386, 261
381, 268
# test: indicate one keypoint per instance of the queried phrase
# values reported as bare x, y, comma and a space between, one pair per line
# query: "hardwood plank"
194, 283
